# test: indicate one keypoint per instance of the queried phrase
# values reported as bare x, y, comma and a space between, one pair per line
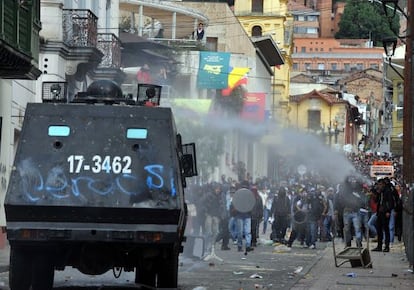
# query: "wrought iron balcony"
79, 28
110, 46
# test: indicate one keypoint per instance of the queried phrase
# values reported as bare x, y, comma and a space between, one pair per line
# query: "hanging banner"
237, 77
213, 70
254, 107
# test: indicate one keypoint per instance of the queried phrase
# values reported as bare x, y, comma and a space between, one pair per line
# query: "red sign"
254, 107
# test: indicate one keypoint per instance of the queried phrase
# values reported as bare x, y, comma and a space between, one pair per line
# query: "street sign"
380, 171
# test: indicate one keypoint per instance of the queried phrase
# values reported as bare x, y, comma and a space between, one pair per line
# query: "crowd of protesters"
305, 208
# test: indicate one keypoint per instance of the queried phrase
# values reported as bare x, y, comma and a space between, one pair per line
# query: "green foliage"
364, 20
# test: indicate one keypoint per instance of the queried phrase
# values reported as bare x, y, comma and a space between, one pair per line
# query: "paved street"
268, 266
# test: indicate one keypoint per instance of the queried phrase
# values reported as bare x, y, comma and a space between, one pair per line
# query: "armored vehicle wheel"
43, 272
145, 275
20, 271
168, 271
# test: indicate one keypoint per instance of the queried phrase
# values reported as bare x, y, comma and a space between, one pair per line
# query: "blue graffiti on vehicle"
57, 186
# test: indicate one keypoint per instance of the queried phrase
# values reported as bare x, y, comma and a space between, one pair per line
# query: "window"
303, 49
256, 31
374, 66
212, 43
295, 66
311, 18
257, 6
347, 66
308, 65
334, 66
400, 105
321, 65
360, 66
314, 120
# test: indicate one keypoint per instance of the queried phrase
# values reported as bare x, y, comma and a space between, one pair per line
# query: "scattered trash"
298, 270
266, 242
410, 270
394, 275
256, 276
211, 264
238, 273
352, 275
371, 272
200, 288
282, 249
243, 258
260, 286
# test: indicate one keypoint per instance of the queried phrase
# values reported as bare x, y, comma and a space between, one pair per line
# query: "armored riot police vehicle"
98, 184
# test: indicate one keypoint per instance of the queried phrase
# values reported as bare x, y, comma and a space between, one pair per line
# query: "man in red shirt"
143, 75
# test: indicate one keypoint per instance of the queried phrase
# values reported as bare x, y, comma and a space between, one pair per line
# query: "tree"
364, 20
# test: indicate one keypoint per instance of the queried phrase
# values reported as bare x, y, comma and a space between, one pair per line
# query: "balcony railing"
110, 46
183, 43
79, 28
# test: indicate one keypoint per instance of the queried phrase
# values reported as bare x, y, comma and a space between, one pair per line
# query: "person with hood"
316, 207
385, 205
215, 209
243, 223
349, 201
257, 215
281, 214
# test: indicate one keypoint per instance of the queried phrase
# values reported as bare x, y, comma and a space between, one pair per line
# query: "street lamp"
393, 4
390, 44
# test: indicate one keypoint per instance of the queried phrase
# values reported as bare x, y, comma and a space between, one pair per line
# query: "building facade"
19, 53
260, 18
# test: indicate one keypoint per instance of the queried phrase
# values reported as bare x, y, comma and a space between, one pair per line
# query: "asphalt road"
267, 267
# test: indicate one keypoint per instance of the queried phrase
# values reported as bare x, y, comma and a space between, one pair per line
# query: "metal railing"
80, 28
110, 46
55, 92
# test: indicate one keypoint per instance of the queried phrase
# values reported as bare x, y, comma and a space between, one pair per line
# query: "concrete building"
19, 54
261, 18
335, 57
394, 97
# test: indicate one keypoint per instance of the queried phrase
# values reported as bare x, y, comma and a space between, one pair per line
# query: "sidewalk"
389, 271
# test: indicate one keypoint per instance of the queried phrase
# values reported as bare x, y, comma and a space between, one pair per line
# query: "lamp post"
390, 44
408, 122
392, 4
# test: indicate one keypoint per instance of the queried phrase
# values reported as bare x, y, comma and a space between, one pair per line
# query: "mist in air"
299, 147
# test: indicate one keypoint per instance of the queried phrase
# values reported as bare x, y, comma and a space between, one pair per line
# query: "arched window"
256, 31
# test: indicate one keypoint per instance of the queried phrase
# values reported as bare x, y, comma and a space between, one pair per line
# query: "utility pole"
408, 137
408, 121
